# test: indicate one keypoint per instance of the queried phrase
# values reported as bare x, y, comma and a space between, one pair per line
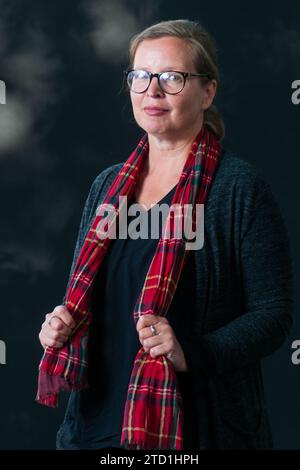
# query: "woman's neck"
167, 155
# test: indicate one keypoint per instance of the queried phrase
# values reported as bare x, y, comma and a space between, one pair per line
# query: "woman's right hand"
57, 327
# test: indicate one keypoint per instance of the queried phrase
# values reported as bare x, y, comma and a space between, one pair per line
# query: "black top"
94, 416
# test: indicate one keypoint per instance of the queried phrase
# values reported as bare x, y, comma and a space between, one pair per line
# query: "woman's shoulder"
240, 191
103, 180
98, 189
238, 168
239, 178
108, 172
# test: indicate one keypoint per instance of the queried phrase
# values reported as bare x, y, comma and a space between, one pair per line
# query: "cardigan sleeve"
268, 291
98, 188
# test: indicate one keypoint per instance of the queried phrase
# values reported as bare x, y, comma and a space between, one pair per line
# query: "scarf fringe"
49, 387
143, 446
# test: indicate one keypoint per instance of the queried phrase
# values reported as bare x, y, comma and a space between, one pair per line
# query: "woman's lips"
155, 111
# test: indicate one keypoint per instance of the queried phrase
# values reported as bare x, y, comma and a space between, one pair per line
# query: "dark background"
66, 119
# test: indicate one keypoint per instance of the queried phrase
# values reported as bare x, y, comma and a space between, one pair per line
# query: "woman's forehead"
167, 52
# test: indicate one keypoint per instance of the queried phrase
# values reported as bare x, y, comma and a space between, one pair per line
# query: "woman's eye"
172, 77
141, 75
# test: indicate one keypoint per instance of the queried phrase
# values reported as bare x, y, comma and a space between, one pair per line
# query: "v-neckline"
134, 201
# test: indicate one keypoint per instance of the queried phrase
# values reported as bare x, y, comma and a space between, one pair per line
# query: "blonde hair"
203, 52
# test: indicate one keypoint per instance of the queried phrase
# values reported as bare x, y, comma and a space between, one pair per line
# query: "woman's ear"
210, 89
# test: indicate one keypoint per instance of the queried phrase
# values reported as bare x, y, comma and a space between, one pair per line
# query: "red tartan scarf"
153, 417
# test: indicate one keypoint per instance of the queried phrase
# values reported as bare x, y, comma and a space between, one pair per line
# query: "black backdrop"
66, 118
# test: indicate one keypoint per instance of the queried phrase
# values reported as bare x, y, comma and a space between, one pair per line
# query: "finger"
146, 332
169, 344
55, 334
46, 341
63, 313
151, 342
161, 328
56, 324
54, 344
146, 320
158, 351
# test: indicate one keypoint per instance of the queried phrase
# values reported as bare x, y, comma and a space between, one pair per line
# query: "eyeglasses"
171, 82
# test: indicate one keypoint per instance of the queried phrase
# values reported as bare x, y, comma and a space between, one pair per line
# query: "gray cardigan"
245, 295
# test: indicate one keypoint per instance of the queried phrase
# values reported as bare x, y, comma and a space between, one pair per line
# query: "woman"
186, 372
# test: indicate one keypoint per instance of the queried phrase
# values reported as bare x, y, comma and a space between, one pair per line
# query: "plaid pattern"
153, 417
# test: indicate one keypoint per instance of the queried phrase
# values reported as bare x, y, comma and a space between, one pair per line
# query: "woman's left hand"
165, 342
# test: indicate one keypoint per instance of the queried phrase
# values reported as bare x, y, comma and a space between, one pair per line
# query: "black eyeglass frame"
185, 75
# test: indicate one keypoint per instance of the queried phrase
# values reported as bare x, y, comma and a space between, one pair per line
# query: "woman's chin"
154, 128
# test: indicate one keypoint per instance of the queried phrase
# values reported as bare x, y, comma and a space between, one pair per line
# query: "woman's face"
183, 113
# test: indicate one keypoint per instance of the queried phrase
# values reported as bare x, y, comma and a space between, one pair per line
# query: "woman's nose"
154, 88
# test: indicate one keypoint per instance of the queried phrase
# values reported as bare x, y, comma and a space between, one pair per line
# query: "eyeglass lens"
170, 82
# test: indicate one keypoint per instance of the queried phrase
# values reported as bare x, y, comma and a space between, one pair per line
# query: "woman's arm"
97, 191
267, 279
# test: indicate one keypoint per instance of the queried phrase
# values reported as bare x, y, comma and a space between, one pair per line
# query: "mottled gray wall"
66, 119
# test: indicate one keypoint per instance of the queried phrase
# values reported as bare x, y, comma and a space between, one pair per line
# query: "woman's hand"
165, 342
56, 328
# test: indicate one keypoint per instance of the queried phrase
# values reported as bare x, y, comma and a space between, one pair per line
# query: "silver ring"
154, 331
170, 355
